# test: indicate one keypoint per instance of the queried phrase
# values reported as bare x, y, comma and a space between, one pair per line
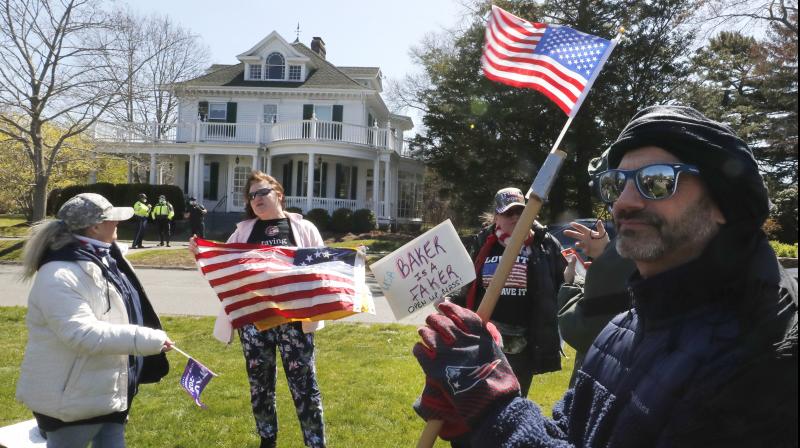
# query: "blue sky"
361, 33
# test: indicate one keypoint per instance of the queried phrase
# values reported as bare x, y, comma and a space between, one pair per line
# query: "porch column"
387, 175
254, 161
268, 156
152, 169
198, 177
310, 189
376, 187
130, 171
190, 190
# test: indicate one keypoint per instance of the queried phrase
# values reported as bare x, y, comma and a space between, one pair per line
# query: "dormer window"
255, 71
276, 66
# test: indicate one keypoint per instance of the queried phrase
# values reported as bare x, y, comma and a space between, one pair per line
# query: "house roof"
360, 72
323, 75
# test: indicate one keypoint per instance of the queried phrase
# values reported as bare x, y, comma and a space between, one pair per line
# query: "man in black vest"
707, 356
196, 214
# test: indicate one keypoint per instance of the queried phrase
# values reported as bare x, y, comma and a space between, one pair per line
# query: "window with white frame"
276, 66
294, 72
255, 71
217, 111
270, 113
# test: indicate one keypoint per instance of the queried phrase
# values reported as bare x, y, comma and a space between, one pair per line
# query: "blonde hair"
51, 234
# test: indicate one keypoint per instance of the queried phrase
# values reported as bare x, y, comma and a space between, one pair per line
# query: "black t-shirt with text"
272, 232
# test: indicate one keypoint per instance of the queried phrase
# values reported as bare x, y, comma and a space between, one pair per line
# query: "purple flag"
195, 378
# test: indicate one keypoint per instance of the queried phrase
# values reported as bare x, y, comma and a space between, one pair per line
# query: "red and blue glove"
466, 373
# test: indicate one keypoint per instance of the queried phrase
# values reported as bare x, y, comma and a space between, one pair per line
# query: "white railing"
252, 133
330, 204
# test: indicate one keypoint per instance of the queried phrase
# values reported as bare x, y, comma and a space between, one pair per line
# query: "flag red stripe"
512, 21
289, 314
564, 76
541, 89
237, 261
288, 297
538, 74
529, 37
278, 275
206, 254
501, 36
280, 281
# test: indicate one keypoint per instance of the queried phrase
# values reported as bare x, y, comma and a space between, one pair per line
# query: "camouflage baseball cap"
88, 209
507, 198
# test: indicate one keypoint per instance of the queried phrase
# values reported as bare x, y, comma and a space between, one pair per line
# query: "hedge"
364, 220
342, 220
121, 195
320, 218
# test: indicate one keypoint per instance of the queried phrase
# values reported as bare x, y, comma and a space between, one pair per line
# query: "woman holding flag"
270, 225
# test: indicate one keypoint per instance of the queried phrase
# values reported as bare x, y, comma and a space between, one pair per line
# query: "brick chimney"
318, 46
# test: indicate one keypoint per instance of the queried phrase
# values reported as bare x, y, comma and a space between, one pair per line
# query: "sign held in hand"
425, 269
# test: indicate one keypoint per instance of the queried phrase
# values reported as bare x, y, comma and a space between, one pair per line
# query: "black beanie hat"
726, 164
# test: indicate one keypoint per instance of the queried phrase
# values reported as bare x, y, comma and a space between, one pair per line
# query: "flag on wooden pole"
269, 286
195, 378
556, 60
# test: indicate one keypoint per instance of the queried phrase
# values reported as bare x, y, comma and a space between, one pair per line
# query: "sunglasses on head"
654, 182
261, 192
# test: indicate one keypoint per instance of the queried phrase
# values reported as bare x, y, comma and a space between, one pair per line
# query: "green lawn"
10, 250
162, 257
368, 377
13, 225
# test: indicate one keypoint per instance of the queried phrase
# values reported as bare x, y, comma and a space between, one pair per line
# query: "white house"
322, 130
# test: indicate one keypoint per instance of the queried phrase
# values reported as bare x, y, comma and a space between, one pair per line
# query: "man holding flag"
708, 354
706, 357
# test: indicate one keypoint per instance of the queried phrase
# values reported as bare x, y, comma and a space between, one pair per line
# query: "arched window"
276, 66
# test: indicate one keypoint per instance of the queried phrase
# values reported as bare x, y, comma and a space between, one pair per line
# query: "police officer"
196, 214
141, 209
162, 214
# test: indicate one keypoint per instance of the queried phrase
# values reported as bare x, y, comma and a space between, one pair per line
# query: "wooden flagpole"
174, 347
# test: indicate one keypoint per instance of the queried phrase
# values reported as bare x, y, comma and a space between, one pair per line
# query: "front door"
240, 174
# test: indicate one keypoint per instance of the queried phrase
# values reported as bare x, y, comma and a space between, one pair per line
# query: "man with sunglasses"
706, 357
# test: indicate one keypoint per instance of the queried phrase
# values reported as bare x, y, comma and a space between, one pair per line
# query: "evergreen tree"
482, 135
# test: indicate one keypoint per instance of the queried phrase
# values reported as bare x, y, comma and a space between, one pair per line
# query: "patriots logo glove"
462, 379
465, 369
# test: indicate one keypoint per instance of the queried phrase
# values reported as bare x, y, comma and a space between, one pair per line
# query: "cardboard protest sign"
429, 267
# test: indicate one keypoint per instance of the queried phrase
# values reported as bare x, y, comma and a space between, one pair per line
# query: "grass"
367, 375
13, 226
162, 257
10, 250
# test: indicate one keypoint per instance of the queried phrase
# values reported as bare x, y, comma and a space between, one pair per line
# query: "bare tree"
746, 14
155, 54
52, 74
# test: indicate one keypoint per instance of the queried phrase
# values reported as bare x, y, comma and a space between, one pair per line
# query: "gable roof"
360, 72
323, 75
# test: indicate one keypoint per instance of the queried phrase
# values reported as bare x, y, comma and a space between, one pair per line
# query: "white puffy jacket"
76, 360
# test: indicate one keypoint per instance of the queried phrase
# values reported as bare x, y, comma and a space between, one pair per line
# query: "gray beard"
695, 226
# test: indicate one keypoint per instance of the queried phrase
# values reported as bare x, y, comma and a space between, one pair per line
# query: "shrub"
783, 249
123, 195
295, 210
320, 218
363, 220
342, 220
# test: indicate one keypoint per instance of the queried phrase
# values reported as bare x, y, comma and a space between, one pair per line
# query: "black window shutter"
287, 178
353, 182
337, 192
299, 178
202, 110
324, 180
338, 112
186, 177
213, 181
231, 115
308, 111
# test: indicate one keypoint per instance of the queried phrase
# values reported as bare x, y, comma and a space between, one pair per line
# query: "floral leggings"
297, 354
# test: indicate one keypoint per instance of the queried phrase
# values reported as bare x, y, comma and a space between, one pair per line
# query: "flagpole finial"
621, 30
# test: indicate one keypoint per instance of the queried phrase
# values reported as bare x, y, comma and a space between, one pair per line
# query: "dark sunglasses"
262, 192
654, 182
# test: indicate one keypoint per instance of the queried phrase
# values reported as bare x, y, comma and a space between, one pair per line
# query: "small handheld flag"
195, 377
556, 60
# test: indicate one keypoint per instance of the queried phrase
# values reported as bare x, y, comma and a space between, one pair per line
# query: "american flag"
270, 286
555, 60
